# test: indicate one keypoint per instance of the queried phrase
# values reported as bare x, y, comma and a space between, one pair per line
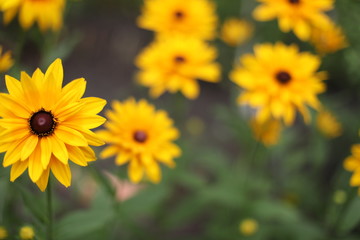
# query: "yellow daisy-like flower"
328, 124
6, 61
278, 80
174, 63
45, 125
235, 31
26, 233
297, 15
328, 39
47, 13
141, 136
352, 164
267, 132
191, 17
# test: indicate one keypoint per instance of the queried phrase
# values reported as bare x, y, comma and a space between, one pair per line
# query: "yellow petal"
92, 105
35, 166
13, 153
45, 151
109, 151
29, 146
58, 149
10, 104
61, 172
43, 180
70, 136
88, 153
17, 169
122, 158
76, 155
135, 171
153, 172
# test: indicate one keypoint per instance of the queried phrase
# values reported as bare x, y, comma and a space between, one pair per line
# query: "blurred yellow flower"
195, 18
3, 233
26, 233
6, 61
45, 125
339, 197
328, 124
297, 15
47, 13
142, 136
328, 39
278, 80
352, 164
268, 132
235, 31
174, 63
248, 227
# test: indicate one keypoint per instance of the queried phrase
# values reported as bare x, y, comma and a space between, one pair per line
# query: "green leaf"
350, 217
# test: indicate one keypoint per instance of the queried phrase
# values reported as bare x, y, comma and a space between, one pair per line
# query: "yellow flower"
26, 233
328, 39
278, 80
6, 62
191, 17
45, 125
248, 227
48, 13
297, 15
235, 31
3, 233
141, 136
328, 125
352, 164
174, 63
267, 132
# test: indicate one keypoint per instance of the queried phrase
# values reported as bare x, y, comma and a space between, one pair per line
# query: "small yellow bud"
248, 226
27, 233
3, 233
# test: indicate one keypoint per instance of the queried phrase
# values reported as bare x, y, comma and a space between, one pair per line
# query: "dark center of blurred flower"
283, 77
179, 15
140, 136
294, 1
179, 59
42, 123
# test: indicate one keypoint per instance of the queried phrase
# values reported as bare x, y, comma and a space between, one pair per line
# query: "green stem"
49, 231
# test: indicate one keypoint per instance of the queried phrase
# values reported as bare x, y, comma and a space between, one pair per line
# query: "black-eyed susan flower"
236, 31
26, 233
297, 15
328, 125
6, 61
3, 233
352, 164
174, 64
248, 226
43, 125
268, 132
47, 13
191, 17
142, 136
328, 39
278, 80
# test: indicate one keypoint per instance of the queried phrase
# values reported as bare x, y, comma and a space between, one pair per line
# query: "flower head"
141, 136
6, 61
297, 15
328, 39
195, 18
235, 31
47, 13
352, 164
267, 132
248, 226
278, 80
3, 233
27, 233
328, 124
174, 64
45, 125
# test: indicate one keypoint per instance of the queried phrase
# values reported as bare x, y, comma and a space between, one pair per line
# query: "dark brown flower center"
179, 15
283, 77
294, 1
42, 123
140, 136
179, 59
